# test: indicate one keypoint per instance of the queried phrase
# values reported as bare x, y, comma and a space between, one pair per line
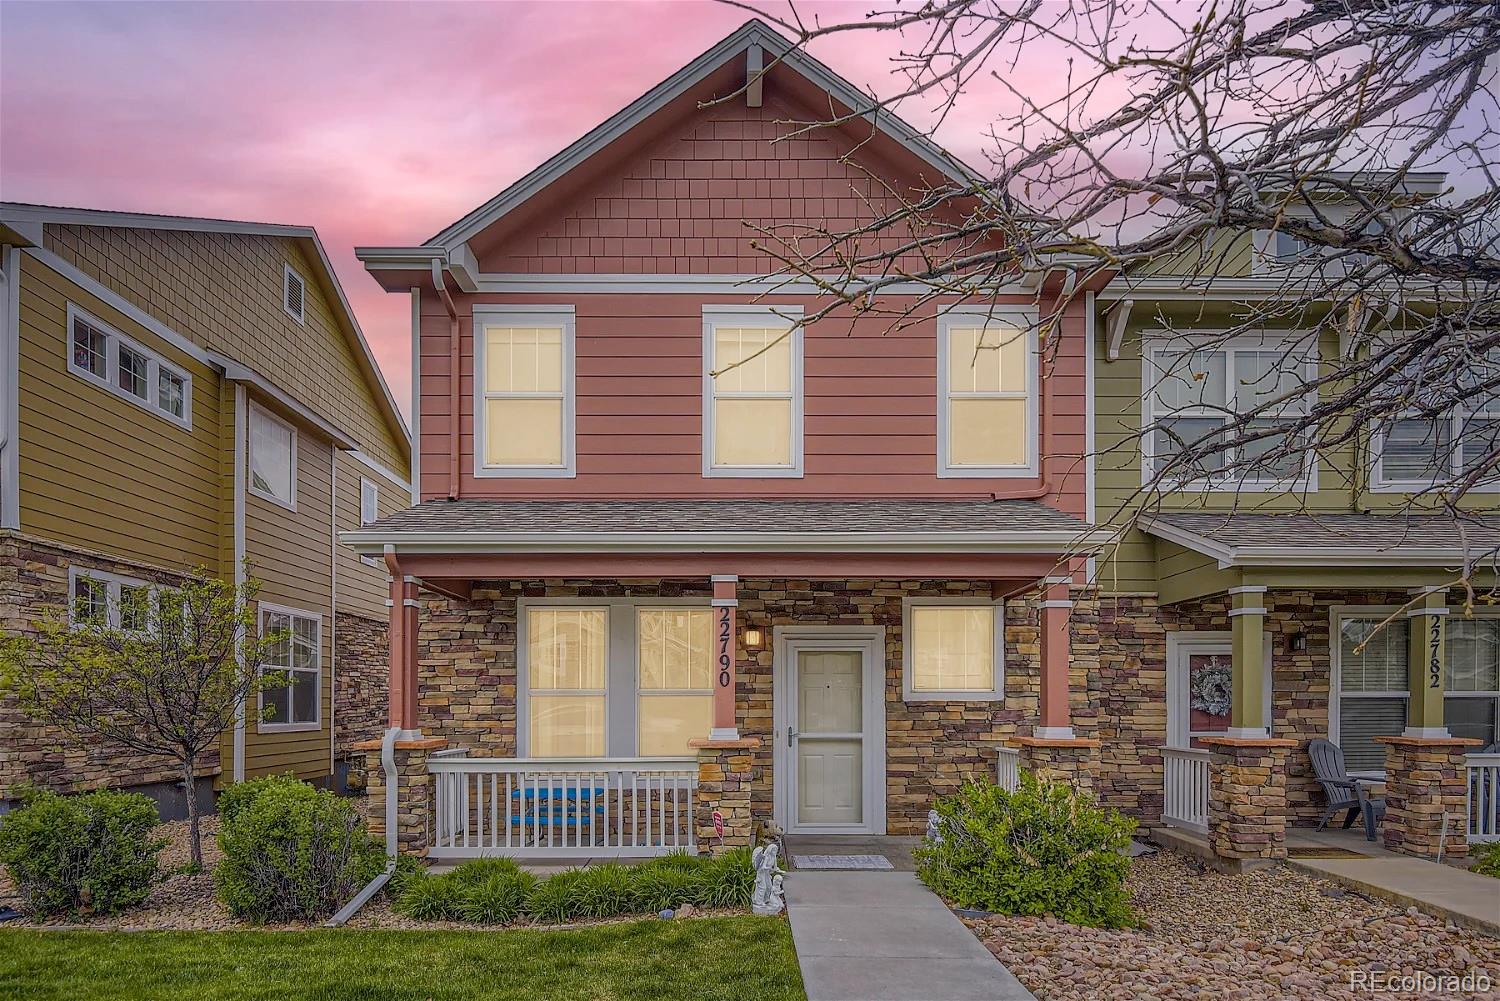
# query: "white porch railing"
1484, 798
530, 807
1008, 769
1185, 788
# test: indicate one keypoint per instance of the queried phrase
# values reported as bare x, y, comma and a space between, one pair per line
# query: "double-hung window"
616, 677
297, 654
987, 386
1372, 659
1194, 397
1416, 451
102, 355
523, 403
954, 650
272, 458
752, 392
1471, 701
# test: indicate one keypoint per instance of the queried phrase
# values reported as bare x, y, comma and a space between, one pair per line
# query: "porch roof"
788, 525
1246, 540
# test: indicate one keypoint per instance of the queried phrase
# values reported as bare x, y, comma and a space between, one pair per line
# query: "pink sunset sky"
378, 123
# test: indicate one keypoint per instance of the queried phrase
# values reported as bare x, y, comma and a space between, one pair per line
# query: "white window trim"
290, 503
261, 726
1448, 693
1380, 484
1336, 616
365, 483
155, 363
996, 694
753, 316
1026, 318
113, 583
621, 668
287, 274
1235, 481
537, 316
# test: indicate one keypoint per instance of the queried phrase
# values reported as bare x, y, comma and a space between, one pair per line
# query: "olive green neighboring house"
181, 393
1316, 605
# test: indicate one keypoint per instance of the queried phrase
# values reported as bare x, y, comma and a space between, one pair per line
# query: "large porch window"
617, 678
1372, 677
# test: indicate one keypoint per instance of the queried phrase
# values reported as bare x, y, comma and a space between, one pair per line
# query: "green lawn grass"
739, 958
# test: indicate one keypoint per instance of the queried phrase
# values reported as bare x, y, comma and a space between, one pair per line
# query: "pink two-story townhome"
677, 558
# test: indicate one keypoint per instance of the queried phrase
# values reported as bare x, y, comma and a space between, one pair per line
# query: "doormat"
841, 862
1320, 852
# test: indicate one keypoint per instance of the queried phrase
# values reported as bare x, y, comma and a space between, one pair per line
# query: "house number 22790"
725, 646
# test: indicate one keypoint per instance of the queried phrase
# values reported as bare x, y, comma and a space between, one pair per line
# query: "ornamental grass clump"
1487, 860
293, 853
81, 856
1045, 848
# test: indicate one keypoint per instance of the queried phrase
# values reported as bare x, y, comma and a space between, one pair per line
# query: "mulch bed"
1269, 933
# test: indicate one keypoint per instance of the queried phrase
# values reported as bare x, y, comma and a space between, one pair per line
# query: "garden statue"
934, 828
768, 897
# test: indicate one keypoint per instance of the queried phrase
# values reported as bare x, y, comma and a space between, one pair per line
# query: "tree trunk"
195, 840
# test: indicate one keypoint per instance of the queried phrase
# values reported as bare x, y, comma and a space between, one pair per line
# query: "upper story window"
752, 405
273, 458
369, 501
294, 294
1417, 451
1194, 396
987, 388
523, 408
102, 355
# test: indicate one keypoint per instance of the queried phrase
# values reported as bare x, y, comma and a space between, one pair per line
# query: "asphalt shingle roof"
800, 516
1335, 531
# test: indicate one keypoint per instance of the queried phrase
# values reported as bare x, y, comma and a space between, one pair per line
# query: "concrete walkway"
1445, 891
883, 936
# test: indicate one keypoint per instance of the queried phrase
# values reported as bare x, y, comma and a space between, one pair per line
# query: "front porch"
1332, 633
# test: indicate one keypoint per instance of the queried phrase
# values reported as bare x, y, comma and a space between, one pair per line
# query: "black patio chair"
1343, 792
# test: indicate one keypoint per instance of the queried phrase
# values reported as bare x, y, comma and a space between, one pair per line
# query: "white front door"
831, 724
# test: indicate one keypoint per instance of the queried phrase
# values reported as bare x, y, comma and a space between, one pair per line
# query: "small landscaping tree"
170, 684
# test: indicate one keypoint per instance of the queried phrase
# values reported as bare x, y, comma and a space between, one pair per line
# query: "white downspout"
388, 766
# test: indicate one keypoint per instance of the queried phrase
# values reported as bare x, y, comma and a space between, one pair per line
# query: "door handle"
791, 735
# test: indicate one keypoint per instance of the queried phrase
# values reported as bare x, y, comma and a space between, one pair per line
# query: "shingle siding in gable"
681, 203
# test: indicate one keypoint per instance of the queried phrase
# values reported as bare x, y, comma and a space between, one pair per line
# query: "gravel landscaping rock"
1270, 933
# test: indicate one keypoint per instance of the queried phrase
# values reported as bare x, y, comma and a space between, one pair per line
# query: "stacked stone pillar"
727, 772
1247, 798
1053, 752
414, 792
1069, 760
1426, 779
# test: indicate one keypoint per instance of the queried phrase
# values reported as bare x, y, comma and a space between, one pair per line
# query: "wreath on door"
1211, 690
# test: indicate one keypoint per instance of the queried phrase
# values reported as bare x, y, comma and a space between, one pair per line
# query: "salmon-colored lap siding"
870, 427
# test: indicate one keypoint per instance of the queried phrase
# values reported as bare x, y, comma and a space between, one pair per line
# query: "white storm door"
828, 738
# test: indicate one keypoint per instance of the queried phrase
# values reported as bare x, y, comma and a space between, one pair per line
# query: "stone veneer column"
1247, 797
727, 771
414, 796
1071, 761
1425, 779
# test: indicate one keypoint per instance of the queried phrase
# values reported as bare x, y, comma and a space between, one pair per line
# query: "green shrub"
1487, 860
497, 899
292, 852
655, 889
480, 869
603, 891
234, 800
80, 855
1043, 849
431, 898
408, 868
551, 900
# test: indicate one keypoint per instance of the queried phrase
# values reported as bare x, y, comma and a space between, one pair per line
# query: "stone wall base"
1247, 797
1073, 761
1425, 780
414, 792
727, 772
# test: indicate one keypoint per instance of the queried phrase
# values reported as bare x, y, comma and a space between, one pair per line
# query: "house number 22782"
1435, 652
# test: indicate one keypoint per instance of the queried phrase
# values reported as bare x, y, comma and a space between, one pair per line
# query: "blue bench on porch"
557, 806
